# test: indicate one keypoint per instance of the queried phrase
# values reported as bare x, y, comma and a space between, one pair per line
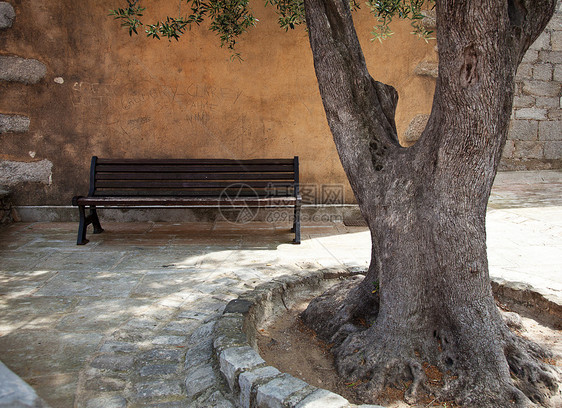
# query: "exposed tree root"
341, 310
375, 358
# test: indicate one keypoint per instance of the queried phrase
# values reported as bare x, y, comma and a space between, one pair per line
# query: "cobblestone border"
255, 384
249, 378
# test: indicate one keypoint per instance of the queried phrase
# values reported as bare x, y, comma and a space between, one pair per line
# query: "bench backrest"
194, 177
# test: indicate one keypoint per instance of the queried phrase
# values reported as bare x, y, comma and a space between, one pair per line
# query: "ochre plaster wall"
136, 97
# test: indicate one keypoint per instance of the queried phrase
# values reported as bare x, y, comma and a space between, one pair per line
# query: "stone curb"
254, 383
14, 392
250, 380
541, 304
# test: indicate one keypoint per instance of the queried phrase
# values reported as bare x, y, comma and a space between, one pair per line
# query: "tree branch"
360, 110
528, 19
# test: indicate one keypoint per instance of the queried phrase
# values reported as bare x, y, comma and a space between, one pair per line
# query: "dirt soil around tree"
290, 346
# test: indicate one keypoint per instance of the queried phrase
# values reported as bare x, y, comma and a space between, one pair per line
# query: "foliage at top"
231, 18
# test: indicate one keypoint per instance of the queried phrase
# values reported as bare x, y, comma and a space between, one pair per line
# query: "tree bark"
427, 291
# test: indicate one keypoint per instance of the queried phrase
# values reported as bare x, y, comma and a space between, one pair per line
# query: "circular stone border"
254, 383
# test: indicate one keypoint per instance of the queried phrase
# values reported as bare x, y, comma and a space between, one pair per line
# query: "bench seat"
186, 183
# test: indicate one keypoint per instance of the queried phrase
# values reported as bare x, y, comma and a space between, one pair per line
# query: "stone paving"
126, 320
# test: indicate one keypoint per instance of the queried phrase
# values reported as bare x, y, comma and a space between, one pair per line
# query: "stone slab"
14, 123
323, 399
235, 360
199, 380
14, 172
248, 380
17, 69
275, 392
7, 15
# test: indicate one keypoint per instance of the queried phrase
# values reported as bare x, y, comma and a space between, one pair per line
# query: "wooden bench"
186, 183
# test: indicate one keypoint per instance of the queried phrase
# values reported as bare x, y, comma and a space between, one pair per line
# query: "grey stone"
323, 399
170, 340
528, 150
217, 400
523, 101
542, 72
550, 130
524, 71
200, 353
556, 40
508, 149
181, 403
367, 406
118, 347
531, 113
228, 333
7, 15
108, 284
161, 355
427, 68
541, 88
237, 359
276, 391
113, 362
557, 76
114, 401
416, 127
144, 324
104, 384
17, 69
199, 380
14, 392
12, 172
548, 102
553, 150
158, 389
183, 326
238, 306
14, 123
555, 114
248, 379
542, 42
530, 56
298, 396
202, 333
523, 130
158, 370
554, 57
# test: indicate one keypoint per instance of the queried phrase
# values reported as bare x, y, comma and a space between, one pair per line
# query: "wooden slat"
183, 201
130, 168
195, 176
150, 184
195, 161
194, 193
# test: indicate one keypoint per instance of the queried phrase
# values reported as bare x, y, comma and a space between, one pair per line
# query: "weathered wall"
107, 94
76, 85
535, 138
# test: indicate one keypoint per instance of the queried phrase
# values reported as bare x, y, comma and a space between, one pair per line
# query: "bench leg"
92, 218
297, 225
82, 227
95, 220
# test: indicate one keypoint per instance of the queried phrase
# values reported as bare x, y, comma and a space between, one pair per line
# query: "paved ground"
110, 324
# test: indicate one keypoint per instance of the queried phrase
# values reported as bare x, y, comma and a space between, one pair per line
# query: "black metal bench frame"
188, 183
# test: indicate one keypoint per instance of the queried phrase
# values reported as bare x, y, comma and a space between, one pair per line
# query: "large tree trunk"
426, 297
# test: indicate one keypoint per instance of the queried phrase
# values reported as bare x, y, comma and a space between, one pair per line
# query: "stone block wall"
535, 134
